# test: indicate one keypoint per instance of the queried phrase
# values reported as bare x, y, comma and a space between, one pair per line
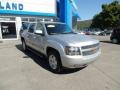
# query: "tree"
108, 17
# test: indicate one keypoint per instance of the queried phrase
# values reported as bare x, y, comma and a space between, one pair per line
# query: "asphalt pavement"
28, 71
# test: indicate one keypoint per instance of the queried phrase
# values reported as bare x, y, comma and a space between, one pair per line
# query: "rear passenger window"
24, 25
31, 27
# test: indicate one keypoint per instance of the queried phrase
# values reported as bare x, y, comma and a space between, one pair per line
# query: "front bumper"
79, 61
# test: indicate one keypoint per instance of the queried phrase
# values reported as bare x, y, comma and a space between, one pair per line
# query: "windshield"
58, 29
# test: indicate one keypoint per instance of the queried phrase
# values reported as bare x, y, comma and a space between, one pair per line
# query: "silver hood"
72, 39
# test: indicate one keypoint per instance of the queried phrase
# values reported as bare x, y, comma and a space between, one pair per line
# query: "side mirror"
39, 32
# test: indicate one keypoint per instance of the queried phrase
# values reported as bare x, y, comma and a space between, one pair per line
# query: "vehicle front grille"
90, 49
90, 46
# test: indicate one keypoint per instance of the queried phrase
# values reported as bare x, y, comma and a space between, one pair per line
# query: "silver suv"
61, 45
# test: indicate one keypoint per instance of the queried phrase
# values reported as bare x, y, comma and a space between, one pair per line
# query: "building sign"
11, 6
28, 7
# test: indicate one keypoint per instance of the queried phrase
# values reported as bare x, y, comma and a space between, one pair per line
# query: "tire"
24, 46
54, 61
114, 40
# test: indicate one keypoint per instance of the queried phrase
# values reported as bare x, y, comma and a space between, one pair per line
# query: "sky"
88, 8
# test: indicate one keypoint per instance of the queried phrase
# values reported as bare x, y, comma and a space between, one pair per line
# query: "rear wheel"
54, 61
24, 46
114, 40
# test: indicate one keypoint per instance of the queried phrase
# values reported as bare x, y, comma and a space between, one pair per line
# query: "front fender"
56, 45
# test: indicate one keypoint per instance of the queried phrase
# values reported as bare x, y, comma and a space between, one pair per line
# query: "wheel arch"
51, 49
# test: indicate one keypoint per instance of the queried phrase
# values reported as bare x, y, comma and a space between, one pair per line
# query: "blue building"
67, 11
13, 13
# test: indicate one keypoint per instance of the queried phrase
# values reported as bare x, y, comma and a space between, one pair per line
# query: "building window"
48, 19
24, 19
32, 19
39, 19
12, 18
7, 18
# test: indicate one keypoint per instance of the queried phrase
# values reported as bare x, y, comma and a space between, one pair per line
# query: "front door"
39, 40
8, 30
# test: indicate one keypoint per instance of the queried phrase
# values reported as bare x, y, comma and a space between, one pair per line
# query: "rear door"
30, 34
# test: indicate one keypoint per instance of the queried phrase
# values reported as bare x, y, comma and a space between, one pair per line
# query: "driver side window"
40, 27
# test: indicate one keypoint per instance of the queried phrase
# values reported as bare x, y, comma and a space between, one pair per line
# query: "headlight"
72, 50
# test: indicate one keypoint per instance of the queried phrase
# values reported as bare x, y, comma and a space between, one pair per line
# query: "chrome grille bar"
90, 46
90, 49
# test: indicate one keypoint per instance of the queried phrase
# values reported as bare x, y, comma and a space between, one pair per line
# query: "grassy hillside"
84, 24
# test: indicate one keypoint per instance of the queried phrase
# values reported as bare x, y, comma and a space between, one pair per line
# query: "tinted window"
31, 27
24, 25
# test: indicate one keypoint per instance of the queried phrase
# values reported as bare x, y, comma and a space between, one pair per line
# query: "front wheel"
54, 61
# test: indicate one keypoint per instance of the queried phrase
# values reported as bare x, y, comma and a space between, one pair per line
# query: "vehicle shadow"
42, 61
106, 42
109, 42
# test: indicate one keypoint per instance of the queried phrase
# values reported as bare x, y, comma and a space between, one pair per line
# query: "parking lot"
28, 71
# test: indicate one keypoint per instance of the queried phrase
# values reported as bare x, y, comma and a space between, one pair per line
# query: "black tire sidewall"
59, 65
23, 42
113, 41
